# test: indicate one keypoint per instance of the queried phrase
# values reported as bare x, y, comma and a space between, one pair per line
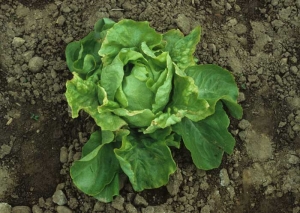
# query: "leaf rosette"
146, 93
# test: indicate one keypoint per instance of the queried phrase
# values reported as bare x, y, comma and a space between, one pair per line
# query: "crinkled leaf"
82, 56
207, 139
183, 50
186, 100
164, 120
161, 134
162, 95
102, 26
128, 34
109, 121
172, 37
172, 139
215, 83
139, 118
82, 94
112, 74
138, 95
147, 163
97, 168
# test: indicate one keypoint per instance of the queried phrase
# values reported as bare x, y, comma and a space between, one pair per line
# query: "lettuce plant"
146, 94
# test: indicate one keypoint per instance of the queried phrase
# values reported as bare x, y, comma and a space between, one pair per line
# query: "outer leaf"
96, 139
172, 37
82, 94
109, 191
186, 100
147, 163
215, 83
161, 134
128, 34
82, 56
207, 139
102, 26
172, 139
96, 170
183, 50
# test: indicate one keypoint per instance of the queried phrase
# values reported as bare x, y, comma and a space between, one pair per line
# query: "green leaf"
72, 53
83, 94
109, 191
162, 95
109, 121
182, 50
139, 118
174, 140
96, 139
164, 120
186, 100
128, 34
82, 56
114, 72
161, 134
148, 163
92, 173
172, 37
207, 139
138, 95
166, 134
102, 26
215, 83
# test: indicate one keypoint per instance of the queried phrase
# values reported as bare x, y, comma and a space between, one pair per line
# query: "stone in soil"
21, 209
59, 198
5, 208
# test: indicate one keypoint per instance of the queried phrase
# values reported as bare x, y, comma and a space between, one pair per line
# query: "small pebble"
274, 2
61, 20
130, 208
36, 209
63, 209
293, 159
252, 78
118, 203
225, 181
148, 209
21, 209
17, 41
244, 124
279, 80
63, 155
140, 201
66, 9
59, 198
5, 208
99, 206
294, 69
183, 23
35, 64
